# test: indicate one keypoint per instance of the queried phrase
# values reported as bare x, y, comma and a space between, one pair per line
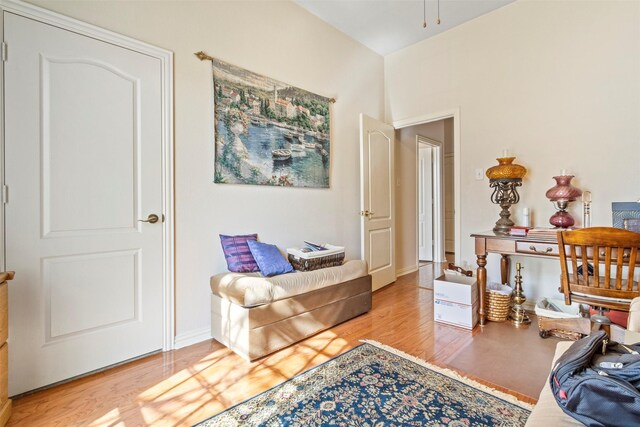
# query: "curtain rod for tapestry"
204, 57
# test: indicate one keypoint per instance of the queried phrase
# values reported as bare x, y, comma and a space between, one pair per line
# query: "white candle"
505, 153
526, 218
563, 172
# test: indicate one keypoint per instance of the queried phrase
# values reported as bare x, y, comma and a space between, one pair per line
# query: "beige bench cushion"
253, 289
547, 413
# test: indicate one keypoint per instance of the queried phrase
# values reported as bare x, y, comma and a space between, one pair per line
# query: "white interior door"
425, 203
377, 199
83, 164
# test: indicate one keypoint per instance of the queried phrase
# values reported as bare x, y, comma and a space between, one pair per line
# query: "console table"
489, 242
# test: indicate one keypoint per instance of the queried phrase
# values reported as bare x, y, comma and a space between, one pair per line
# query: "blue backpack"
597, 382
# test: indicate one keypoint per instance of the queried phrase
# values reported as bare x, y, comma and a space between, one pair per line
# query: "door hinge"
4, 52
5, 194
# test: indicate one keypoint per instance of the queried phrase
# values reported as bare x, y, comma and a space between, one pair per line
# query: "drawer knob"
534, 249
625, 254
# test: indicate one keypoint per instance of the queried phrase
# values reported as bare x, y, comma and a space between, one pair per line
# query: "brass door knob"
152, 219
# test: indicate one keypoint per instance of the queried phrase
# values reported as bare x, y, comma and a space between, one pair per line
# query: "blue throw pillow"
269, 258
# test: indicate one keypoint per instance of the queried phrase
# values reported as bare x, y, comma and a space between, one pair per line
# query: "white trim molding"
406, 270
166, 62
192, 337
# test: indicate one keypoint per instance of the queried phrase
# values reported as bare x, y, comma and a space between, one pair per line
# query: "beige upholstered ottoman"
255, 315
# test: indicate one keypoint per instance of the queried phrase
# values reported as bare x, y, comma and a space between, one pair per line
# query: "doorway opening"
427, 196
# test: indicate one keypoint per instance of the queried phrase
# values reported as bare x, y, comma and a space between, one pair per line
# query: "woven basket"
560, 333
497, 306
309, 264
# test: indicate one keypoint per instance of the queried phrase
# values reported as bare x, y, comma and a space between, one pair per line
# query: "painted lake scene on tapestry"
268, 132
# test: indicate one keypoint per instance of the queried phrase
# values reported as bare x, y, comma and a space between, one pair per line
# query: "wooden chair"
608, 250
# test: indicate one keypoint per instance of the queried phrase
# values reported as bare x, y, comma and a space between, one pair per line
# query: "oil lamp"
505, 178
561, 195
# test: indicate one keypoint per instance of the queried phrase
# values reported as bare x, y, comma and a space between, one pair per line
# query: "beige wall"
555, 82
283, 41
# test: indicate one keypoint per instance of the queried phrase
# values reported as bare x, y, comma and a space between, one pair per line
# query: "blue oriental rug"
374, 385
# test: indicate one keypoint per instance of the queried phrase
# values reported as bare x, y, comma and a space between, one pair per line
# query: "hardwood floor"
188, 385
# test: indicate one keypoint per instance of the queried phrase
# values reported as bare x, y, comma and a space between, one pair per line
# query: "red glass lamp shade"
561, 194
563, 191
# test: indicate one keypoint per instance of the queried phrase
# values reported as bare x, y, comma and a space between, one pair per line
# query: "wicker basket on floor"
497, 306
560, 333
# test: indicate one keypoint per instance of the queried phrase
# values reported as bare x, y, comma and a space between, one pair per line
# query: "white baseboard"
192, 337
406, 270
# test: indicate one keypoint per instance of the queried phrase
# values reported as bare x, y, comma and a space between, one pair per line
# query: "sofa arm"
632, 334
634, 315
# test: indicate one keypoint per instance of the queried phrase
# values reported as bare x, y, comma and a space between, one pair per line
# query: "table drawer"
537, 248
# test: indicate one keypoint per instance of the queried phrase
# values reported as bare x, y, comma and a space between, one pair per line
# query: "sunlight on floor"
111, 418
216, 380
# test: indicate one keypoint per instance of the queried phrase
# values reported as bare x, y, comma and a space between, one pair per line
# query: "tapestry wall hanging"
268, 132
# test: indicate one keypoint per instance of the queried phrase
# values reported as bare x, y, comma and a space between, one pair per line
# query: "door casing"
437, 193
166, 60
433, 117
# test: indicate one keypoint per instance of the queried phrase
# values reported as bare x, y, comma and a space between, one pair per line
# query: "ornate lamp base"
562, 218
505, 194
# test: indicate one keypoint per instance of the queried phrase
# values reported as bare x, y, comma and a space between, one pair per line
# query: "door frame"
166, 63
434, 117
437, 159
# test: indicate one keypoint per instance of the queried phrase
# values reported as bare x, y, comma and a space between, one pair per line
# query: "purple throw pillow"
237, 254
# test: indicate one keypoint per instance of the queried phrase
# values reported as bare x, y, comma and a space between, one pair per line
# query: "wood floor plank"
182, 387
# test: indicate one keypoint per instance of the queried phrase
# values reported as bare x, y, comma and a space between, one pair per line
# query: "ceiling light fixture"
424, 13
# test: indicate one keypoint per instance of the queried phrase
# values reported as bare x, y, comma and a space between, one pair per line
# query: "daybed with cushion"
255, 315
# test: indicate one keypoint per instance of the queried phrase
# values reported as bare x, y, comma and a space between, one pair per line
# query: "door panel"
377, 199
99, 101
83, 165
380, 250
380, 178
73, 308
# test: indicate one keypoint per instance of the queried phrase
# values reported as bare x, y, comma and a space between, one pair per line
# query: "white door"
82, 166
377, 199
425, 203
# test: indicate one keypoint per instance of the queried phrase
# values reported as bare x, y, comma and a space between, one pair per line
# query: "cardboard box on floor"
455, 300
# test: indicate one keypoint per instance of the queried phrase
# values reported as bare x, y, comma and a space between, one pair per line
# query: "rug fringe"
453, 374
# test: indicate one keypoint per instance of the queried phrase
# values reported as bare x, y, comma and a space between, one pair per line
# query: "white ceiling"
386, 26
